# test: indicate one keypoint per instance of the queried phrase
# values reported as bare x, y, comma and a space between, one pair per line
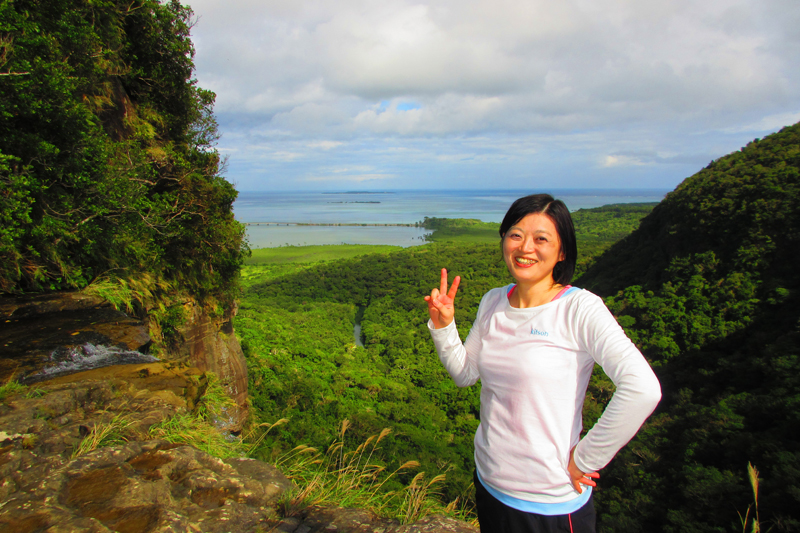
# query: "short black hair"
559, 214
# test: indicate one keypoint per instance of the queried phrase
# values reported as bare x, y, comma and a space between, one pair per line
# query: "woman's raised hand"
440, 302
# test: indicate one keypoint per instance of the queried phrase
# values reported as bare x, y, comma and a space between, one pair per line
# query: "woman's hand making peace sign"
440, 302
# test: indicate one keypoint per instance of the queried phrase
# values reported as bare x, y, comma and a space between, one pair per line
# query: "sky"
502, 94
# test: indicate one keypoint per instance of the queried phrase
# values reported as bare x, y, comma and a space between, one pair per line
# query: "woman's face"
531, 249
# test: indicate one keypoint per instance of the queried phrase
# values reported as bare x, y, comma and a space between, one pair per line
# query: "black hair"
559, 214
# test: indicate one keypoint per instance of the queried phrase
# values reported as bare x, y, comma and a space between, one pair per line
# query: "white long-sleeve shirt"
534, 365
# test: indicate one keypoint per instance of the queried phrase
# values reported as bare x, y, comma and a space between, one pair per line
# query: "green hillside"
708, 289
704, 286
107, 163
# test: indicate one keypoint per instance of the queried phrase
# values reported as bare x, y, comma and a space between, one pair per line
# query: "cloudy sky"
465, 94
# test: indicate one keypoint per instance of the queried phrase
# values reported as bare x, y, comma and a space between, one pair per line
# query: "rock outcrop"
54, 334
41, 331
144, 485
210, 344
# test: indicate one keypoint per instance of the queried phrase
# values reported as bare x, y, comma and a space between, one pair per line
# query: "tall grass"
358, 478
754, 521
195, 431
108, 433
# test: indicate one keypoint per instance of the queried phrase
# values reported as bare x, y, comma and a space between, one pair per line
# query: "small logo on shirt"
535, 331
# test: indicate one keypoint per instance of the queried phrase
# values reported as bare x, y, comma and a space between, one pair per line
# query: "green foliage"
107, 163
707, 287
314, 254
460, 230
9, 389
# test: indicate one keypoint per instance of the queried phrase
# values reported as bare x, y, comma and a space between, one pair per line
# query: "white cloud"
325, 145
621, 160
540, 79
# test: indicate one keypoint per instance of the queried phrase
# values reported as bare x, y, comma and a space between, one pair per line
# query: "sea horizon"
280, 218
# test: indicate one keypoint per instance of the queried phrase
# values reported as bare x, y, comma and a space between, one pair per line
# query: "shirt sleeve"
459, 359
637, 389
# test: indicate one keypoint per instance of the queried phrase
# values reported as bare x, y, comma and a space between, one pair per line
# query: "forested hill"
742, 208
107, 165
708, 288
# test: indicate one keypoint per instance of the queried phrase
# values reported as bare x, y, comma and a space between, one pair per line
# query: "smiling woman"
533, 345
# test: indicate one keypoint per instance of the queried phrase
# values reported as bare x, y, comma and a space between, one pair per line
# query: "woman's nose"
528, 244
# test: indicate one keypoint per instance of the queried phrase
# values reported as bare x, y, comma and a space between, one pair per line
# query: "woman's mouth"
522, 261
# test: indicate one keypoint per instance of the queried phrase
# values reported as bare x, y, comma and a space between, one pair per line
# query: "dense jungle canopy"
107, 161
706, 286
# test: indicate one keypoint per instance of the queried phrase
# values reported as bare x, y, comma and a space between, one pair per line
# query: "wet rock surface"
41, 331
47, 335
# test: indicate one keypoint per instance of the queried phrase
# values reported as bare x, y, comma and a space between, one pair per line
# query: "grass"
358, 478
198, 428
314, 253
126, 294
9, 389
195, 431
109, 433
754, 521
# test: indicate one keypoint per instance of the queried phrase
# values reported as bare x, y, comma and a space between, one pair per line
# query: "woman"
533, 346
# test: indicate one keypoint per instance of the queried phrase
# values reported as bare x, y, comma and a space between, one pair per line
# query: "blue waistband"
548, 509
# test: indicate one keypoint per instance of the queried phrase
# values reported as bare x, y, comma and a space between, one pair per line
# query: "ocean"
281, 218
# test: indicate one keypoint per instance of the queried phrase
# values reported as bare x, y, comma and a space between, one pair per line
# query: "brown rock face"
47, 332
211, 345
138, 486
145, 486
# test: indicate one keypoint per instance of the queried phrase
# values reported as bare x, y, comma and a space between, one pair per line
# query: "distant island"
360, 192
356, 202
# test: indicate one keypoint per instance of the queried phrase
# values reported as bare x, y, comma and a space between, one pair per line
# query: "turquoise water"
283, 210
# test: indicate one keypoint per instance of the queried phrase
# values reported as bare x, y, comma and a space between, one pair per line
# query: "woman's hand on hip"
578, 476
441, 302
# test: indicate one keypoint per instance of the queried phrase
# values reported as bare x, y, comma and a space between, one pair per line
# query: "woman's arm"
452, 353
637, 389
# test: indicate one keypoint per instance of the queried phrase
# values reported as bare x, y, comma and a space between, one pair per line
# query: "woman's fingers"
440, 301
578, 476
454, 288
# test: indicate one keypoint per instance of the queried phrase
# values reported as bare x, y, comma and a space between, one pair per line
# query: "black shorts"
496, 517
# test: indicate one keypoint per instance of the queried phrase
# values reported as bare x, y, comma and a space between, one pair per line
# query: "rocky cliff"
54, 479
54, 334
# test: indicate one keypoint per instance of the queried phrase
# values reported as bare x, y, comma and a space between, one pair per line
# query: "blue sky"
466, 94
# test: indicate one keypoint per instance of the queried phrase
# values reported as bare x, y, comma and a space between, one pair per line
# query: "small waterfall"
77, 359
